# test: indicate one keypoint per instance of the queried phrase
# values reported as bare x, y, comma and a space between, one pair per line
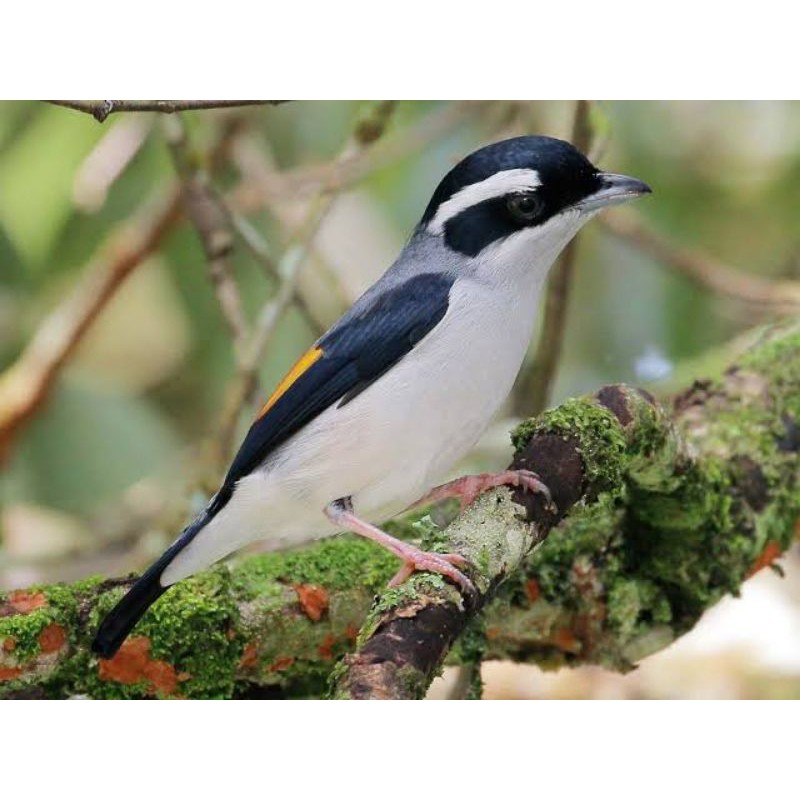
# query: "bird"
385, 403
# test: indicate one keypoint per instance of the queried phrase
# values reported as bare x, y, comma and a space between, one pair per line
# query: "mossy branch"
665, 513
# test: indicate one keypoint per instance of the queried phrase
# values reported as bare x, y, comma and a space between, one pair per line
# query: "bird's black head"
518, 183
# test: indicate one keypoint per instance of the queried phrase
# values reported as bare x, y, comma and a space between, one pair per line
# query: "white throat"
530, 251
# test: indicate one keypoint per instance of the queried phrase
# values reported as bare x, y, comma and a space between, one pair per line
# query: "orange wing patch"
304, 363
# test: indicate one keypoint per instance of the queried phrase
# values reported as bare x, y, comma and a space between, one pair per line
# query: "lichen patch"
313, 600
132, 664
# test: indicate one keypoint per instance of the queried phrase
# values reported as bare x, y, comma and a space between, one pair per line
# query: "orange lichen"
351, 633
24, 602
313, 600
132, 664
52, 638
9, 673
280, 664
9, 643
249, 657
325, 649
162, 676
565, 640
532, 590
768, 555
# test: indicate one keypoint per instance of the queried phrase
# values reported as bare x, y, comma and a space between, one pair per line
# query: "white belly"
390, 444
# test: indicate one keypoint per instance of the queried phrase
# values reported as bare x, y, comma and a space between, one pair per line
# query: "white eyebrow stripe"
497, 185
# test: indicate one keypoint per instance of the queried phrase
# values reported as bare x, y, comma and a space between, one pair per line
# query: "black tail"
119, 622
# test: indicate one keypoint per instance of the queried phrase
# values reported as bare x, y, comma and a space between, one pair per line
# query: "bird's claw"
444, 564
529, 481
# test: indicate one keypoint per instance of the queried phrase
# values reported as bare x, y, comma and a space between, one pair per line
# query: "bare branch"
295, 257
345, 171
780, 296
266, 186
207, 213
102, 109
536, 383
260, 251
106, 162
319, 289
26, 385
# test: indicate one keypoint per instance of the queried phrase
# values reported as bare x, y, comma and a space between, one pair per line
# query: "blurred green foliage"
147, 388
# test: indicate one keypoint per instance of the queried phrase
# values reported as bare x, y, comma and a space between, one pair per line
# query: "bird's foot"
341, 514
470, 487
445, 564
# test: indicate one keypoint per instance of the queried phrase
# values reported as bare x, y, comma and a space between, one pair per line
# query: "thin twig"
210, 219
216, 223
343, 172
289, 268
781, 296
468, 684
108, 159
267, 321
25, 385
320, 289
266, 186
537, 381
102, 109
295, 257
259, 249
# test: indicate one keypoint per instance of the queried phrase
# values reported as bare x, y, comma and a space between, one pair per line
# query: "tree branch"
290, 269
101, 110
210, 219
782, 296
665, 514
26, 385
537, 380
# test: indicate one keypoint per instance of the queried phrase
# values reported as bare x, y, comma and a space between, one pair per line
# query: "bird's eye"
524, 207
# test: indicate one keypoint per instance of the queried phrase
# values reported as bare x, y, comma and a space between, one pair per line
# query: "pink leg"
341, 513
468, 488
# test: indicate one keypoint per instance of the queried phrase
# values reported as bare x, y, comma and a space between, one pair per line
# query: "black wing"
375, 334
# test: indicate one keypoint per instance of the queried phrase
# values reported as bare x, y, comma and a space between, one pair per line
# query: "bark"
101, 110
660, 514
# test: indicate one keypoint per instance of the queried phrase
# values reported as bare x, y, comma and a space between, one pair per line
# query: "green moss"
61, 608
601, 439
200, 609
471, 645
635, 605
337, 563
409, 591
591, 530
403, 595
412, 682
190, 628
431, 537
336, 675
24, 631
776, 352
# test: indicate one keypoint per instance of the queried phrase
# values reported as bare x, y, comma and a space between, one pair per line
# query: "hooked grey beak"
614, 189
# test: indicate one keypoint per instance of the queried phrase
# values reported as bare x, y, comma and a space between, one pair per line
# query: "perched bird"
403, 385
